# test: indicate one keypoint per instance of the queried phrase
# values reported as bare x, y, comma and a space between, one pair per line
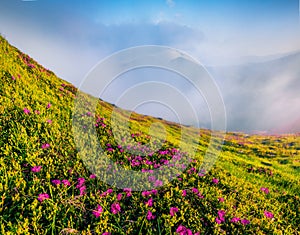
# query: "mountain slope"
47, 188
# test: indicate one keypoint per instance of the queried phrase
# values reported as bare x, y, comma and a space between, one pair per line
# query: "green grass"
246, 163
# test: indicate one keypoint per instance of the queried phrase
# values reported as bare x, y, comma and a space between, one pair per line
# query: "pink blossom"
195, 191
36, 169
106, 233
37, 112
150, 216
82, 190
109, 191
115, 208
173, 211
215, 181
43, 196
26, 111
184, 193
128, 191
149, 202
221, 199
48, 105
265, 190
13, 78
92, 176
97, 212
245, 221
119, 196
80, 182
235, 220
56, 182
49, 121
46, 145
268, 214
66, 182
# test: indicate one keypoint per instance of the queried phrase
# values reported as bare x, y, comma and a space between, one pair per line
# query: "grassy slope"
246, 164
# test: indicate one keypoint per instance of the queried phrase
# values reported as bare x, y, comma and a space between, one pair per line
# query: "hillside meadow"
48, 186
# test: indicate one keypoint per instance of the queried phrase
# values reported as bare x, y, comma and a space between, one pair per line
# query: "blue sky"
71, 36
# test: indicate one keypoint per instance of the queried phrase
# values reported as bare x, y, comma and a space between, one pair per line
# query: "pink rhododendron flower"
80, 182
195, 191
49, 121
173, 211
150, 216
149, 202
221, 199
181, 230
26, 111
46, 145
13, 78
66, 182
36, 169
235, 220
215, 181
56, 182
82, 190
48, 105
115, 208
97, 212
92, 176
268, 214
265, 190
245, 221
43, 196
184, 193
128, 191
119, 196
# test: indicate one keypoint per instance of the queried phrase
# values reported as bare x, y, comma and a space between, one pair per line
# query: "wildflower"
184, 193
119, 196
48, 105
26, 111
56, 182
195, 191
221, 213
265, 190
173, 211
92, 176
66, 182
245, 221
82, 190
235, 220
128, 192
49, 121
43, 196
215, 181
115, 208
37, 112
13, 78
46, 145
149, 202
218, 220
221, 199
106, 233
80, 182
181, 230
150, 216
109, 191
36, 169
98, 211
268, 214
